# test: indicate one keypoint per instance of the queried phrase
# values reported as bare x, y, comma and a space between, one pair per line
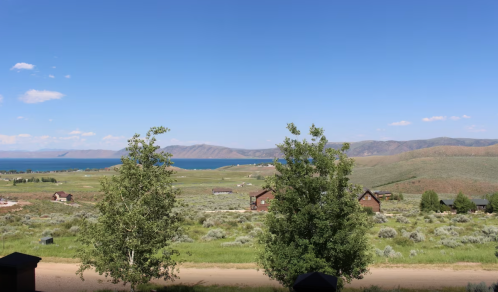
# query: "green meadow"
231, 237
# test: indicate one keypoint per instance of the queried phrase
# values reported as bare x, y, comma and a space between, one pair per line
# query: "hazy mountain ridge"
357, 149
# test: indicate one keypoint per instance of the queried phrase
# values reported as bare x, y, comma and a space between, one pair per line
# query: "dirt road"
56, 277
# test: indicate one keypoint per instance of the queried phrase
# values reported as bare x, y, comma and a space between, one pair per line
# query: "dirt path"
56, 277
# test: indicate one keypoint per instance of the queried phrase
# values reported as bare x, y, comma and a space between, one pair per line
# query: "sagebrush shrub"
390, 253
74, 229
208, 223
182, 238
255, 232
449, 242
243, 239
387, 232
402, 219
215, 234
413, 253
461, 218
417, 236
380, 218
46, 232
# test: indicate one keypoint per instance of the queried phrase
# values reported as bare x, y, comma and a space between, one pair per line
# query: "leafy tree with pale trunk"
463, 204
131, 241
430, 201
315, 223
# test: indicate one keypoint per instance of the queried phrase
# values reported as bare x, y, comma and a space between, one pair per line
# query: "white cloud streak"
88, 134
466, 117
4, 139
68, 76
37, 96
435, 118
24, 135
474, 129
1, 98
20, 66
400, 123
75, 132
51, 76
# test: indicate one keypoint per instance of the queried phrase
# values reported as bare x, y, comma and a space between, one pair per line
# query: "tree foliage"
463, 204
315, 222
429, 201
492, 206
131, 241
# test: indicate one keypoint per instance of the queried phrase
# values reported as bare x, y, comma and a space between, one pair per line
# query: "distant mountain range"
357, 149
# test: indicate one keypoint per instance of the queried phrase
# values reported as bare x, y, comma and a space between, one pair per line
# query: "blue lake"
48, 164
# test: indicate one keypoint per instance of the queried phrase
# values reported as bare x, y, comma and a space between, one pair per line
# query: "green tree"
492, 206
315, 222
429, 201
131, 240
463, 204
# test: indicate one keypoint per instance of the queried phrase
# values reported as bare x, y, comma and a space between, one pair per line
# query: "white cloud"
474, 129
49, 120
4, 139
400, 123
45, 137
36, 96
20, 117
88, 134
25, 135
1, 98
53, 67
68, 76
111, 137
381, 130
70, 138
20, 66
75, 132
466, 117
268, 140
435, 118
51, 76
455, 118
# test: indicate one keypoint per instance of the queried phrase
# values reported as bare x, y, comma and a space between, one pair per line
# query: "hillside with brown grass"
445, 169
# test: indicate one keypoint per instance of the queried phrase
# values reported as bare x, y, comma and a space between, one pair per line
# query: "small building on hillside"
220, 191
386, 195
62, 197
368, 199
480, 204
260, 200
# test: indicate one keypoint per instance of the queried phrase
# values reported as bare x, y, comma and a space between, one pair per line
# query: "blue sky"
89, 74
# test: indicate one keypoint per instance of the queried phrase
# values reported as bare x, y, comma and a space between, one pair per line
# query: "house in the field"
220, 191
368, 199
260, 200
62, 197
480, 204
386, 195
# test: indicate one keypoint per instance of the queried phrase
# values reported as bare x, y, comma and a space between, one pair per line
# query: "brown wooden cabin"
260, 200
367, 199
383, 195
62, 197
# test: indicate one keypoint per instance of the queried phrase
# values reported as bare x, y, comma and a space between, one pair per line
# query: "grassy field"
469, 242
